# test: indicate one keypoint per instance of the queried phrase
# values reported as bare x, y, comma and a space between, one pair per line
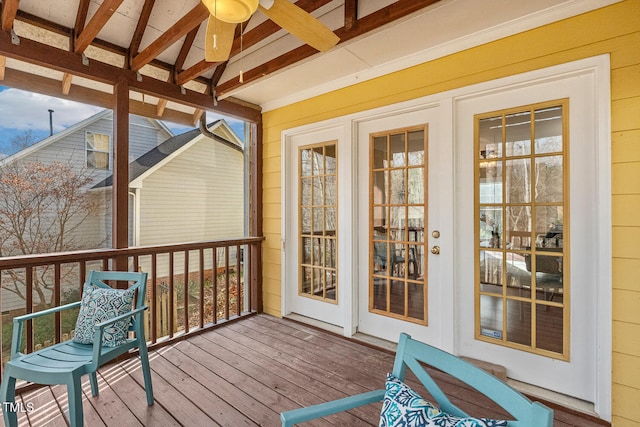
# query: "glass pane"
318, 161
416, 186
380, 220
397, 187
549, 227
318, 221
398, 222
306, 280
330, 190
416, 223
519, 322
548, 130
398, 261
490, 226
306, 250
379, 189
552, 266
397, 297
490, 138
416, 148
305, 192
305, 162
380, 258
518, 134
380, 152
417, 256
397, 150
305, 220
518, 232
318, 186
416, 301
491, 182
330, 253
491, 268
330, 159
330, 225
518, 275
491, 316
549, 181
519, 177
549, 328
330, 285
380, 293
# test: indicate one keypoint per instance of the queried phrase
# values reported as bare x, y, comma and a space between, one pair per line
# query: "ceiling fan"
226, 14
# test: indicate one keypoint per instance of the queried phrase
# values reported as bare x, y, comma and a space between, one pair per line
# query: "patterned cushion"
100, 304
404, 407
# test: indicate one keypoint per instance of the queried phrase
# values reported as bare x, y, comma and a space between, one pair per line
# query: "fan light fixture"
232, 11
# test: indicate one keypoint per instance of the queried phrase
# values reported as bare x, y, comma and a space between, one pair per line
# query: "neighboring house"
177, 183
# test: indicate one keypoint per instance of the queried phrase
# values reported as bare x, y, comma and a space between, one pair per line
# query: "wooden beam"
191, 20
196, 116
384, 16
143, 20
81, 16
66, 83
350, 13
9, 10
194, 71
46, 86
68, 62
3, 66
162, 104
97, 22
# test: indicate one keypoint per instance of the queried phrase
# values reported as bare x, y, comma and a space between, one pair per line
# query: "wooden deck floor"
242, 374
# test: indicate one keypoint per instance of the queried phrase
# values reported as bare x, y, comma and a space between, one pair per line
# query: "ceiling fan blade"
219, 40
301, 24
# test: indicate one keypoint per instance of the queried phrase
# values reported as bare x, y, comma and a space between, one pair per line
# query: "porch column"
120, 209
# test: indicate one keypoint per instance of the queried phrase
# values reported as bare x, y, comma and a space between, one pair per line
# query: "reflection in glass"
491, 182
305, 162
306, 250
380, 152
330, 160
490, 136
305, 220
397, 150
379, 188
416, 301
491, 267
397, 297
549, 227
397, 187
519, 322
306, 280
416, 148
491, 316
416, 186
549, 179
318, 187
518, 134
518, 181
490, 227
548, 130
518, 277
380, 293
549, 324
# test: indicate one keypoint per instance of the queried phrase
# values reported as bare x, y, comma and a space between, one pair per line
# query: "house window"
521, 234
318, 210
397, 212
98, 150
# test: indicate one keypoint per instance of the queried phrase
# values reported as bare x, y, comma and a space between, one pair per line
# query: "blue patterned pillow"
404, 407
101, 304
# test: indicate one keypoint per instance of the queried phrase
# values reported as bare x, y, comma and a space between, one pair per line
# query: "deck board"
244, 374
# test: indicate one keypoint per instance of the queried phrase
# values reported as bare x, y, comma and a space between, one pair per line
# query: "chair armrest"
19, 320
295, 416
99, 330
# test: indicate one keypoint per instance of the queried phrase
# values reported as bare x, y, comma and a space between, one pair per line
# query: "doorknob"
435, 250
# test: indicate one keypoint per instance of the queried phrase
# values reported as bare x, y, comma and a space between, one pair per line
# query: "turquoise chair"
411, 354
67, 362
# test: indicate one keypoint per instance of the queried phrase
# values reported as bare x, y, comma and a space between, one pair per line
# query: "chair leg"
74, 391
8, 398
146, 373
93, 379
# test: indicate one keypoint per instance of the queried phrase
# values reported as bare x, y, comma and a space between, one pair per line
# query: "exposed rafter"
98, 20
9, 10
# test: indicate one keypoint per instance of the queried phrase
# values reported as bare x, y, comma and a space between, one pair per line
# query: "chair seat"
47, 365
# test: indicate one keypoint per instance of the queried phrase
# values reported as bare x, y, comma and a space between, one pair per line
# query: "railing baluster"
238, 284
226, 282
57, 300
171, 302
185, 292
29, 306
215, 284
154, 298
201, 308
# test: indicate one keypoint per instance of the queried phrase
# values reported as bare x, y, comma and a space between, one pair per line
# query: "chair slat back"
139, 281
411, 354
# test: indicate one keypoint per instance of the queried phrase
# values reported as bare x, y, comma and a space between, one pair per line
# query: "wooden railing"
190, 287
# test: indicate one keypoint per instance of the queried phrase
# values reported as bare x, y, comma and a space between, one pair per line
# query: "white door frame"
599, 68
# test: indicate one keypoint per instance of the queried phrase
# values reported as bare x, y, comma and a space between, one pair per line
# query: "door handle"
435, 250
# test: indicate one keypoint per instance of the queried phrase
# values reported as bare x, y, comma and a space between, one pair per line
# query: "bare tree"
41, 205
23, 140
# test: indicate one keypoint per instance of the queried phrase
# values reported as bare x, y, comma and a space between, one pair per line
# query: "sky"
22, 111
